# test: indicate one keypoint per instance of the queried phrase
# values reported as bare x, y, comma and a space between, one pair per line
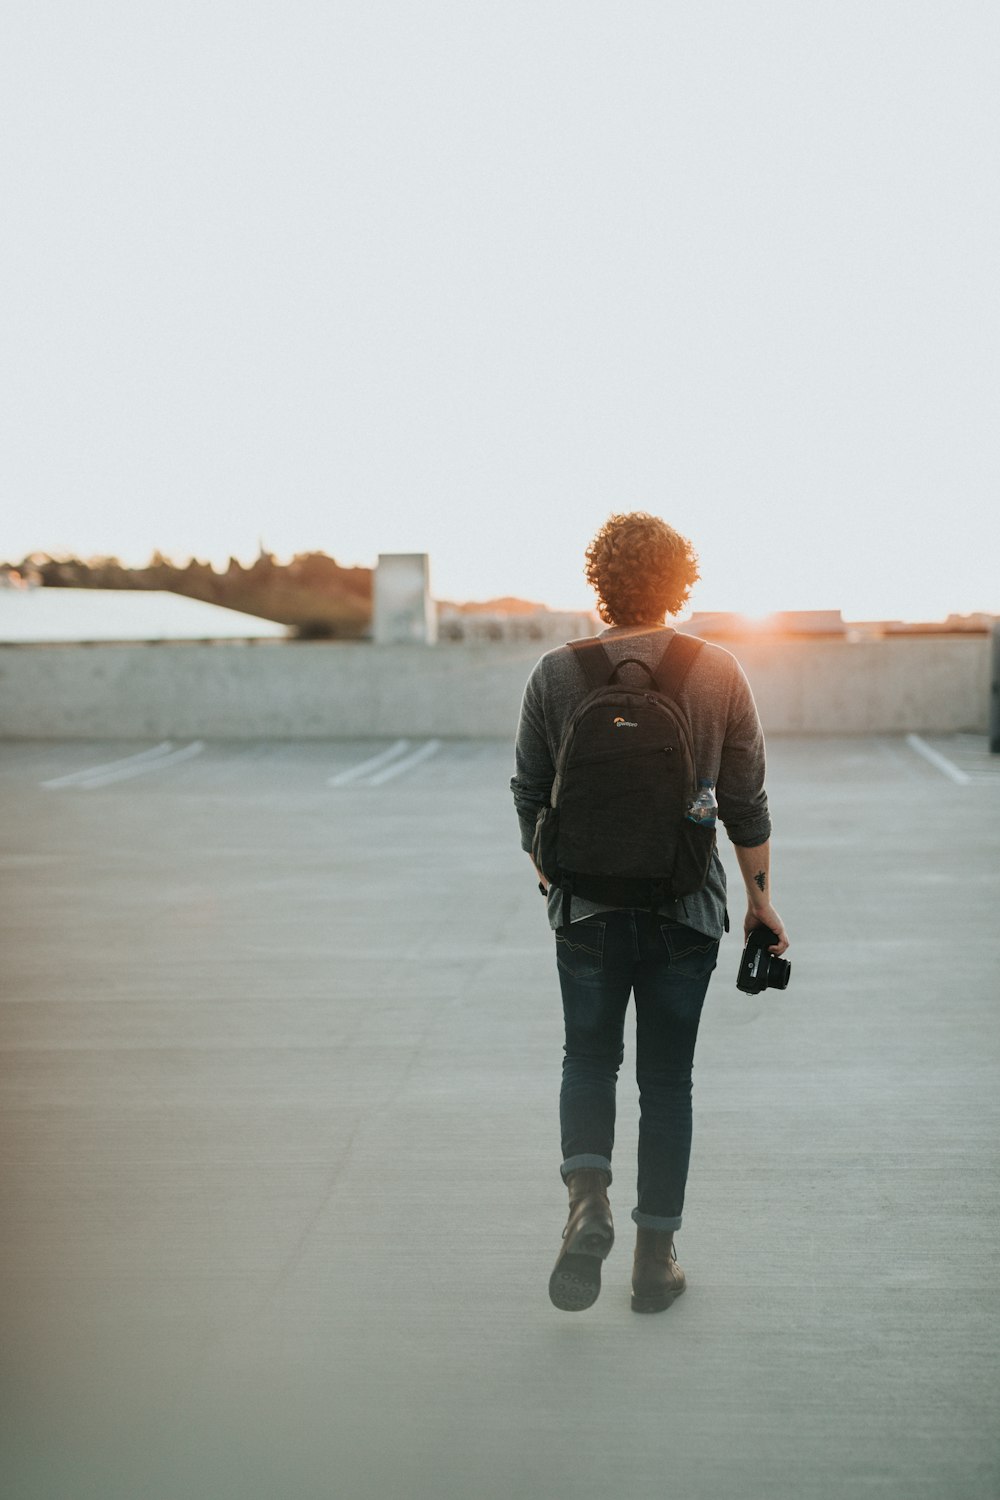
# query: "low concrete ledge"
341, 690
935, 684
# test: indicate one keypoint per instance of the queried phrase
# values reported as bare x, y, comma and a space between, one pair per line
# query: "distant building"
827, 623
800, 622
519, 623
977, 624
877, 630
403, 611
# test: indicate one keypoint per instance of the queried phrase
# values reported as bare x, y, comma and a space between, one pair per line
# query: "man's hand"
766, 915
543, 884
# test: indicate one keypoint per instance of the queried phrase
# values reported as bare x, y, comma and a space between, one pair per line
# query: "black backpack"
616, 829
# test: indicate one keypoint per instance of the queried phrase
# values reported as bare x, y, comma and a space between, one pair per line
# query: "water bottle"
704, 807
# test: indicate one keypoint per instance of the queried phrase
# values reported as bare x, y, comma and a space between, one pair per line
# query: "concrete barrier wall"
286, 690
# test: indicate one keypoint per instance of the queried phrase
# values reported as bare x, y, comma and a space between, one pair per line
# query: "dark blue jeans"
602, 961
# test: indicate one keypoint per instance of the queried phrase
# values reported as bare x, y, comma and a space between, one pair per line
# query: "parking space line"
424, 752
74, 778
353, 773
943, 764
186, 752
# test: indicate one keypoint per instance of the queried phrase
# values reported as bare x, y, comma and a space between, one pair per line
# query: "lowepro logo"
621, 723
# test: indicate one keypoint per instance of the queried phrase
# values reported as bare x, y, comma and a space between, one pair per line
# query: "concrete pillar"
403, 608
995, 691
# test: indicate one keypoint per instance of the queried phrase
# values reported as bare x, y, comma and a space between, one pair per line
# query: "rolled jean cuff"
574, 1163
656, 1221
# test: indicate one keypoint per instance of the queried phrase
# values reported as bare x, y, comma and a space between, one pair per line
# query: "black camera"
760, 970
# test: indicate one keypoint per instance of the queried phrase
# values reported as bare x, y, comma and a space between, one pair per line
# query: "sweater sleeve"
740, 787
535, 772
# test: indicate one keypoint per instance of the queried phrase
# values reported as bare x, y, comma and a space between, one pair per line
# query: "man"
663, 953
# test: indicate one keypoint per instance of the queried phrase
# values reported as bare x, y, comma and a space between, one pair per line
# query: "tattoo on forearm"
760, 880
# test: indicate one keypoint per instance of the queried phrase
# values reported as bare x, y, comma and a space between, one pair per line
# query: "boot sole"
575, 1284
655, 1304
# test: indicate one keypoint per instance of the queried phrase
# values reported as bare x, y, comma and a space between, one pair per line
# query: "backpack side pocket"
695, 843
544, 842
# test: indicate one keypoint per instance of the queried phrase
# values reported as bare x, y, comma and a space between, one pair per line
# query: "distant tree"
263, 565
107, 573
313, 593
64, 573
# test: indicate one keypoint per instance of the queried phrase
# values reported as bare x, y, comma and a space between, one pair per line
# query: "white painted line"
372, 764
423, 753
187, 752
937, 759
75, 777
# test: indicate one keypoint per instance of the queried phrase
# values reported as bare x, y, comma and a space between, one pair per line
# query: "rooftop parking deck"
281, 1045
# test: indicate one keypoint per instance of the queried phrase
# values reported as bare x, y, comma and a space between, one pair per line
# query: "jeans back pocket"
580, 948
691, 952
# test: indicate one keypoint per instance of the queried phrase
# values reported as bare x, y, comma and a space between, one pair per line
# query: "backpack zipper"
589, 760
682, 728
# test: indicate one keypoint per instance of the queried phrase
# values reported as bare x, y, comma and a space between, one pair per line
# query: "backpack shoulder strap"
676, 662
595, 663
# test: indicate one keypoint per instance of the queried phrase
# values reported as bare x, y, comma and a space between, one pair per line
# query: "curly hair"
641, 568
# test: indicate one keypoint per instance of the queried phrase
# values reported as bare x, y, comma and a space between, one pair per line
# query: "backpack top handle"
649, 671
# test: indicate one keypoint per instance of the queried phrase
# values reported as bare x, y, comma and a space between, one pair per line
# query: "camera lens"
779, 971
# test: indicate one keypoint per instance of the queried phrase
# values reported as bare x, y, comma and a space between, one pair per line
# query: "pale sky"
465, 277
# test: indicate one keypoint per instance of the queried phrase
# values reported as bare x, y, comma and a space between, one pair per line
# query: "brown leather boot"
575, 1282
657, 1279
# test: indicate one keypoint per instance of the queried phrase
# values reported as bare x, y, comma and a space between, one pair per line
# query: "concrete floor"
280, 1143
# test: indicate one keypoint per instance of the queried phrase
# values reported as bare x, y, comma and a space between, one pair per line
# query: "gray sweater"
728, 747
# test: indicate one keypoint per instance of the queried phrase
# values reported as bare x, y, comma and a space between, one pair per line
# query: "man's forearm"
755, 867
